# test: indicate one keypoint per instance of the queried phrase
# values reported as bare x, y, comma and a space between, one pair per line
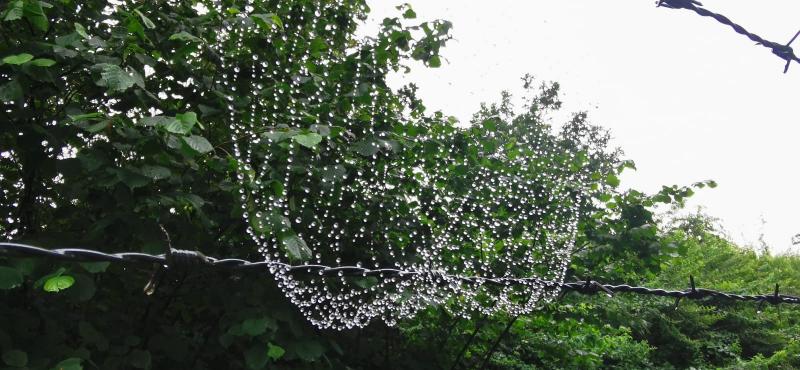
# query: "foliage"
113, 128
629, 331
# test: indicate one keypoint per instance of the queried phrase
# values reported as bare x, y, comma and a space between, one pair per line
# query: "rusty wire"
178, 259
783, 51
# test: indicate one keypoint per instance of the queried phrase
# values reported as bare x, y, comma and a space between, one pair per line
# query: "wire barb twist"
194, 259
783, 51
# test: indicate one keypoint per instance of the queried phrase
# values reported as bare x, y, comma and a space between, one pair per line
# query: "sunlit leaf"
17, 59
43, 62
58, 283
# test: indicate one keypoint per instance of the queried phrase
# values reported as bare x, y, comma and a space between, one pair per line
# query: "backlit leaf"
146, 21
58, 283
275, 352
17, 59
43, 62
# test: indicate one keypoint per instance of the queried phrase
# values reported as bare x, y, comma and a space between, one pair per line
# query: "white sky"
685, 97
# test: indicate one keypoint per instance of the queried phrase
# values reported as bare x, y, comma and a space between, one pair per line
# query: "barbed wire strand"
184, 260
783, 51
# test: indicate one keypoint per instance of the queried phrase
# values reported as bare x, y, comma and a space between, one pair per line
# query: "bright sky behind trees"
687, 98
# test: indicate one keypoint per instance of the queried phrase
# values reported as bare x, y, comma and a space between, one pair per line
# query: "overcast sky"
685, 97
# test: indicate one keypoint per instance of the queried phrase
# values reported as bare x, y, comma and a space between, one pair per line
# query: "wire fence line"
783, 51
177, 259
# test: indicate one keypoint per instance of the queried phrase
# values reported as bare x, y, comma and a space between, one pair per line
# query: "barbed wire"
783, 51
177, 259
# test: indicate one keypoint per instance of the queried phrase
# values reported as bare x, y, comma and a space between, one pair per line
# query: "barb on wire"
194, 259
783, 51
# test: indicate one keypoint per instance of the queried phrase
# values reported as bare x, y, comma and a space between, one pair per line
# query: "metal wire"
784, 52
184, 260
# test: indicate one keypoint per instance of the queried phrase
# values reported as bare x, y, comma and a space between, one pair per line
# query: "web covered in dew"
337, 172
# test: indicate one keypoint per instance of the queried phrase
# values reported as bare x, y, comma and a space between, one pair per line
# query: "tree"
114, 128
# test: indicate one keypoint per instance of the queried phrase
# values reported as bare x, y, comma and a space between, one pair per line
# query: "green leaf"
33, 12
188, 119
157, 121
13, 11
81, 30
365, 282
95, 267
135, 27
309, 140
612, 180
43, 62
156, 172
370, 147
39, 283
256, 327
256, 357
308, 350
267, 20
170, 124
131, 178
15, 358
317, 46
185, 36
295, 247
69, 364
267, 222
275, 352
113, 77
333, 173
435, 62
11, 91
278, 136
97, 127
366, 148
85, 117
10, 278
175, 126
25, 266
17, 59
147, 22
58, 283
198, 144
64, 52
